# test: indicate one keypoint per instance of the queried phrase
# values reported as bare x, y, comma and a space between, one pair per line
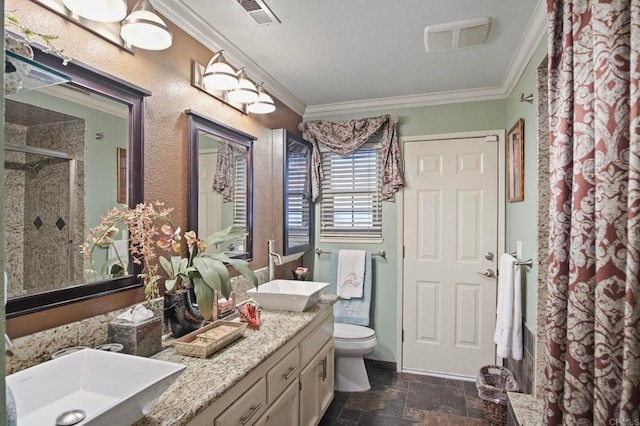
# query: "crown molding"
185, 18
536, 29
412, 101
88, 99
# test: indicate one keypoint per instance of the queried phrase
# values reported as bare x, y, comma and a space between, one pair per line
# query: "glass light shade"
264, 105
98, 10
144, 29
246, 92
219, 76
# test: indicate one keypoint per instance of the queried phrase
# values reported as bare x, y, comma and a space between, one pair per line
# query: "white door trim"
400, 216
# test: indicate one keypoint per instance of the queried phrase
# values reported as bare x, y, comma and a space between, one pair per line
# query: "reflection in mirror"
220, 181
60, 175
297, 194
72, 152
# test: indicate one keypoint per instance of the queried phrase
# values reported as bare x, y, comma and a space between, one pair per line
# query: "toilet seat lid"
351, 331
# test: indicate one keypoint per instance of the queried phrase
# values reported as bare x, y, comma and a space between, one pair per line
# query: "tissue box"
142, 338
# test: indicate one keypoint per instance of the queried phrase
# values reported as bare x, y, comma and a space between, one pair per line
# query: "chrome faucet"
274, 260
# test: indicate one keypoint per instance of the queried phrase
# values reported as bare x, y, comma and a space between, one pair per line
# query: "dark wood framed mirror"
87, 83
220, 182
298, 207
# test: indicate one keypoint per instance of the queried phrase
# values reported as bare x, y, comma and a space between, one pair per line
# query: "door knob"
488, 255
488, 273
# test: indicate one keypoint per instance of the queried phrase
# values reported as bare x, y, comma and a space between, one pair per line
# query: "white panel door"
450, 223
209, 201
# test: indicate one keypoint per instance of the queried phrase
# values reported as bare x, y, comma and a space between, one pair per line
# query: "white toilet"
352, 343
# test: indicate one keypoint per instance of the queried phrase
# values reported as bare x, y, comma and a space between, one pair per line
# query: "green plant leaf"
168, 267
214, 273
239, 265
204, 296
231, 233
170, 284
109, 266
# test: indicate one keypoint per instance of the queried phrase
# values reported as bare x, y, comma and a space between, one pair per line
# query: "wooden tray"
209, 339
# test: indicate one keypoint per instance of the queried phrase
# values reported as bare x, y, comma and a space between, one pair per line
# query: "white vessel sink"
111, 388
287, 295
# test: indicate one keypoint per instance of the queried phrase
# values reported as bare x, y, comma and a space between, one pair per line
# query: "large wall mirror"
220, 182
298, 208
72, 152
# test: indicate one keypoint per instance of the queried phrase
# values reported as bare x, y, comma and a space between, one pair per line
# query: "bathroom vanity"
281, 374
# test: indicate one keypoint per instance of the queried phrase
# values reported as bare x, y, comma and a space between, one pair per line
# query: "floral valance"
346, 137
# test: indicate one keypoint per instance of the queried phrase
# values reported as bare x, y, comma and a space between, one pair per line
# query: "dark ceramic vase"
180, 314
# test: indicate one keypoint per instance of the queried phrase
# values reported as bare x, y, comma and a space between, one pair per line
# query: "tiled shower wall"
38, 347
37, 215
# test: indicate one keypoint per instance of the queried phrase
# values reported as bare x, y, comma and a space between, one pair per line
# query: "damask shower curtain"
593, 310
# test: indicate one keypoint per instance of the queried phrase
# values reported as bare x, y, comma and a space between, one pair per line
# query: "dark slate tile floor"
399, 399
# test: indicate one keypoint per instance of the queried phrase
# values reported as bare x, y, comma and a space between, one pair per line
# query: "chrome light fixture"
246, 91
98, 10
264, 104
218, 75
143, 28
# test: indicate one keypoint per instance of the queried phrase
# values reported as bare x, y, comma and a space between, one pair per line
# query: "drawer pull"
323, 372
254, 409
290, 372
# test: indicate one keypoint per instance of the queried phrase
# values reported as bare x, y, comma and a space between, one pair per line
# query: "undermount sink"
104, 385
287, 295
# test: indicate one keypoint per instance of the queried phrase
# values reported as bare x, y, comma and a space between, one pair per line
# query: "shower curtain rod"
38, 151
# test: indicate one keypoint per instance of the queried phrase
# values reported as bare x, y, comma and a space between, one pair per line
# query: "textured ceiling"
333, 51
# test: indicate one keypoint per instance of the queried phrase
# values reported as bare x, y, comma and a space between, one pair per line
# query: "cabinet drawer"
247, 409
315, 341
283, 373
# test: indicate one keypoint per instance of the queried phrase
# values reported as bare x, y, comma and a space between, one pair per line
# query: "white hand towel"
350, 273
508, 334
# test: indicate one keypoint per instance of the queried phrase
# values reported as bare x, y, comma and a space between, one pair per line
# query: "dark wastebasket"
493, 383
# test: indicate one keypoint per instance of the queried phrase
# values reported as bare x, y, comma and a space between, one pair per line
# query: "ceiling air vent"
259, 11
456, 34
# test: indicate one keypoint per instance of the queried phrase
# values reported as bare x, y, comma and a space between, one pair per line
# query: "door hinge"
402, 335
403, 252
299, 386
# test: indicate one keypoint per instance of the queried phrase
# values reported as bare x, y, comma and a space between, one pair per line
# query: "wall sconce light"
219, 75
264, 104
245, 92
143, 28
98, 10
245, 96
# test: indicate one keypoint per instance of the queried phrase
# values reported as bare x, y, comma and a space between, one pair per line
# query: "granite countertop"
528, 409
205, 380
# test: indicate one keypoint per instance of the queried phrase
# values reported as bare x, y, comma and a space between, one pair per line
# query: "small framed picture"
515, 162
121, 175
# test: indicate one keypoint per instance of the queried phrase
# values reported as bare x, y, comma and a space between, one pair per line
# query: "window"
351, 204
240, 190
298, 210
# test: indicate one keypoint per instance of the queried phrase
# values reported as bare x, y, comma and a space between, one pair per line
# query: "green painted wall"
450, 118
522, 217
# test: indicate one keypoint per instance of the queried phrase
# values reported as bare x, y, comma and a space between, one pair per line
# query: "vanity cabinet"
293, 386
316, 386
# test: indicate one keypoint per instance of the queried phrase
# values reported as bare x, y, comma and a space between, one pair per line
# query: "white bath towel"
351, 274
508, 334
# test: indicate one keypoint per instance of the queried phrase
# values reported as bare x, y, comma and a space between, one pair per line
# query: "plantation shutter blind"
240, 191
351, 200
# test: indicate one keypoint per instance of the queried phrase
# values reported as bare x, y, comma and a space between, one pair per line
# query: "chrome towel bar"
518, 262
381, 253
